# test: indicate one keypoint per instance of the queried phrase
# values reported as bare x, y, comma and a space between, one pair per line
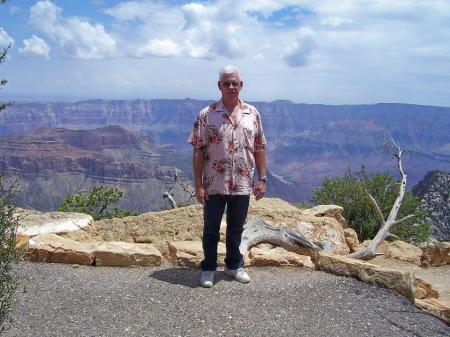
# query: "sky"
306, 51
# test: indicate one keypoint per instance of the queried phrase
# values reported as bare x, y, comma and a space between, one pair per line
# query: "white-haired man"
228, 142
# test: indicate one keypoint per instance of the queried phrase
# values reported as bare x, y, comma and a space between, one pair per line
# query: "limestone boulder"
436, 306
403, 251
332, 211
402, 282
277, 256
382, 248
436, 254
55, 249
22, 241
125, 254
425, 290
190, 253
186, 224
32, 222
351, 239
158, 228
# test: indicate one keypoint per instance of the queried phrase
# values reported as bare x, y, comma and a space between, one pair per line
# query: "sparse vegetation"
350, 192
98, 202
9, 253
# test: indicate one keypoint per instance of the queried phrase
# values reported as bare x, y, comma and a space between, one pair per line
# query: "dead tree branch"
257, 231
371, 250
185, 186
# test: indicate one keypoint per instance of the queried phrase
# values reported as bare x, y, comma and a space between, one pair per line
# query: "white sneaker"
207, 279
238, 274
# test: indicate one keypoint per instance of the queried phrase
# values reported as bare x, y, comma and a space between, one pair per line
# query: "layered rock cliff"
434, 190
52, 163
306, 142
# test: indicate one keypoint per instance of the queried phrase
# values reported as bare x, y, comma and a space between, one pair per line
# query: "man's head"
229, 83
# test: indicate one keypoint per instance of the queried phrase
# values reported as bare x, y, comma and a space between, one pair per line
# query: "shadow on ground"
188, 277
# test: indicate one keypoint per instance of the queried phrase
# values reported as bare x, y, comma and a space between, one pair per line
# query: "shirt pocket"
248, 138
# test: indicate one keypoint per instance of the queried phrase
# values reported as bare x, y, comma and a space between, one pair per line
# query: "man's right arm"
197, 164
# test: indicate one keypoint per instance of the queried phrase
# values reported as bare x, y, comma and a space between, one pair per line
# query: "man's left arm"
260, 161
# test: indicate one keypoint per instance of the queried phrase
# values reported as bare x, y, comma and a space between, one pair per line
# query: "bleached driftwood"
386, 225
169, 197
257, 231
185, 186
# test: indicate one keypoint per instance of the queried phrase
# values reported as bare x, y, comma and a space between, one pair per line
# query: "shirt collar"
220, 107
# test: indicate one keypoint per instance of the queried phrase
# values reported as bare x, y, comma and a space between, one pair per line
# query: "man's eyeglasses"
231, 84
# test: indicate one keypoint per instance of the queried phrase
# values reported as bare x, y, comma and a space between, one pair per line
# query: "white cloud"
352, 46
35, 46
216, 30
296, 55
132, 10
5, 39
334, 21
78, 37
158, 47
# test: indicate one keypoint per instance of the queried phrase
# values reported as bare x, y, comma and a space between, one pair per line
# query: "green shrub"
9, 254
98, 203
350, 192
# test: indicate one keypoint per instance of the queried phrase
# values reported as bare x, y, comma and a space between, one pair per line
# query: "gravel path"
86, 301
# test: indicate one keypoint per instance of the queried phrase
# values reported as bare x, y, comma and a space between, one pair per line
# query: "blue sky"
332, 52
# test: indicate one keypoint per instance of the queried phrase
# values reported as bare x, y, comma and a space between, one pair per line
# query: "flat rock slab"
438, 307
399, 281
125, 254
53, 248
278, 257
32, 222
56, 249
190, 253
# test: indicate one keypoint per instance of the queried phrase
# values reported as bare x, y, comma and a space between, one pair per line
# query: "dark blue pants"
237, 208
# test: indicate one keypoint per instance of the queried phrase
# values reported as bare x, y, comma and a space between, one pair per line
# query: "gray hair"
228, 70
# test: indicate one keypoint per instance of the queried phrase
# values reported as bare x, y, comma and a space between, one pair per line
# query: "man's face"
230, 86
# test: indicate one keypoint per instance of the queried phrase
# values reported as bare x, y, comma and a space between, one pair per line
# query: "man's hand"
200, 194
259, 189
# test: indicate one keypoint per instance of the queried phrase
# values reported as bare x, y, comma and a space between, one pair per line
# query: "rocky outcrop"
314, 225
32, 222
186, 224
434, 190
436, 254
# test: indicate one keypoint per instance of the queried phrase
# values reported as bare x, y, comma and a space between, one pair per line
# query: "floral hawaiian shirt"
229, 161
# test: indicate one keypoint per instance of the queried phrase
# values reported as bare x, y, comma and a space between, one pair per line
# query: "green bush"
350, 192
9, 254
98, 203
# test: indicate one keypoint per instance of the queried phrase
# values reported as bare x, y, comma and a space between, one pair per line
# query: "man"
228, 142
